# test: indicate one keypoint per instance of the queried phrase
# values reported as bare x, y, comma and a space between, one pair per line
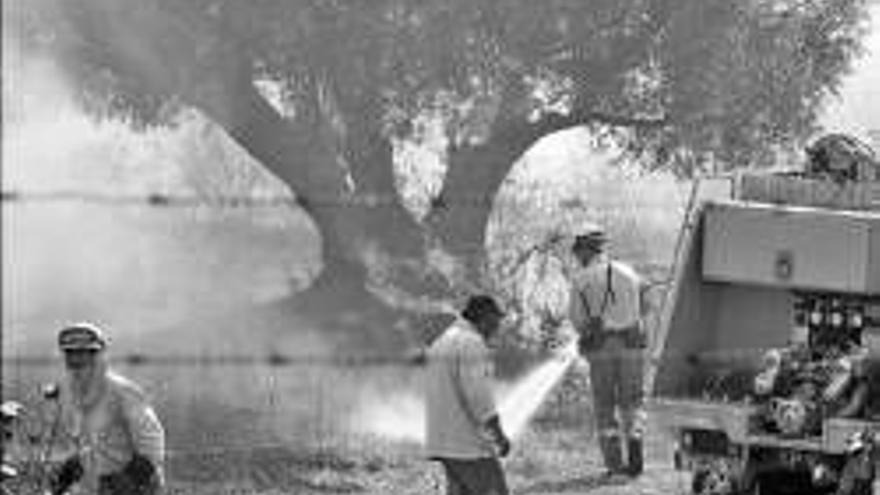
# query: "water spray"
400, 416
523, 400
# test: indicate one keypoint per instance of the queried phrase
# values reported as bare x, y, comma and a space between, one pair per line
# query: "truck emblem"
784, 266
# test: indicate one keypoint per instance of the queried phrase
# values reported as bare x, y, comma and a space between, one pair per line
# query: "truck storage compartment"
792, 247
715, 327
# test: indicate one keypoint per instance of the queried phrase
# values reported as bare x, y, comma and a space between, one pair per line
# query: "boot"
634, 447
612, 454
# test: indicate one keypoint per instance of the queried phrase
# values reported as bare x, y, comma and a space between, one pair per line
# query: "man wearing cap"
118, 437
463, 428
607, 309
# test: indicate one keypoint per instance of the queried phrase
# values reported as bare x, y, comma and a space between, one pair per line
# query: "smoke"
399, 415
133, 268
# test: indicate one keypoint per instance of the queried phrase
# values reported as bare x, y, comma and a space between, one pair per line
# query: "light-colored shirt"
608, 288
108, 433
459, 394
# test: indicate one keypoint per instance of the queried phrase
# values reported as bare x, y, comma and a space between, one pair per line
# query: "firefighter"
118, 437
463, 428
607, 309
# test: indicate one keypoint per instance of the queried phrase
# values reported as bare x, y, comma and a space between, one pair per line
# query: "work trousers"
474, 476
119, 486
617, 379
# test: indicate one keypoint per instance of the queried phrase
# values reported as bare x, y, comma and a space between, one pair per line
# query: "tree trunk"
370, 158
460, 214
461, 211
350, 221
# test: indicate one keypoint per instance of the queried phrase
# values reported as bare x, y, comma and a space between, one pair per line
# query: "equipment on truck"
768, 373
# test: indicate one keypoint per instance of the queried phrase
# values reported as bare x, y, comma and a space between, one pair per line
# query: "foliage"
728, 79
530, 230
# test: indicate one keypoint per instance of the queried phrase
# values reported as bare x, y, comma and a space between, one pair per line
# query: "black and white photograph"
440, 247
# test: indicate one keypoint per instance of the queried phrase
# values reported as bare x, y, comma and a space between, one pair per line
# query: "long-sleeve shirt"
607, 288
108, 433
459, 395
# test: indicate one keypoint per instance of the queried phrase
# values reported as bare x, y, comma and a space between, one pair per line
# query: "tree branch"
556, 122
518, 137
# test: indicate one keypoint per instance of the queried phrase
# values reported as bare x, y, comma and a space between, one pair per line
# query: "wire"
378, 359
231, 360
149, 199
158, 199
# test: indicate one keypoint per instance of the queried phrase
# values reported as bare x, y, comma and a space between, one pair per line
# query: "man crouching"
119, 440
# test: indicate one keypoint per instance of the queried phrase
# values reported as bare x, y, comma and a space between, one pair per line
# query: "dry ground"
546, 461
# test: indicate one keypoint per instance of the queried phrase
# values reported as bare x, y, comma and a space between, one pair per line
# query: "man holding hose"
463, 428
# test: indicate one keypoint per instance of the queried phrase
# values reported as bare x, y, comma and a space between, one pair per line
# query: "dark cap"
593, 239
481, 305
82, 336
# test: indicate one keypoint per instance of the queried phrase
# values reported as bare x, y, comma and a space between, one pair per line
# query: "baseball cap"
82, 336
480, 305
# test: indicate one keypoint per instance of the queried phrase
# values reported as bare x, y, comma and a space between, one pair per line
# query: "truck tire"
708, 481
781, 483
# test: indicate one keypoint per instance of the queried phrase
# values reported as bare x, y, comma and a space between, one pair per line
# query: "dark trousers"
474, 476
121, 484
617, 380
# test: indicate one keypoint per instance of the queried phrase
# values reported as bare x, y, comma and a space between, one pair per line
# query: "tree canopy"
318, 90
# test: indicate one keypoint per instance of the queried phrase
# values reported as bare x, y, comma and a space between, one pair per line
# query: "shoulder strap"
607, 296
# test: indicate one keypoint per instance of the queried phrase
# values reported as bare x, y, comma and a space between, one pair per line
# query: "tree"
680, 83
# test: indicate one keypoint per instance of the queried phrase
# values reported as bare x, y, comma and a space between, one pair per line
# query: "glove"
65, 475
502, 443
141, 470
138, 477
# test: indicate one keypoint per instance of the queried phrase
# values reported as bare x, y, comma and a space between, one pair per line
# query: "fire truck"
766, 374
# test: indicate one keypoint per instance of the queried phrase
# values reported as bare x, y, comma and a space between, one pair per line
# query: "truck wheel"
781, 483
712, 481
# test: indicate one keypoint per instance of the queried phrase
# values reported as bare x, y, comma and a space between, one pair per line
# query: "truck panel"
791, 247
